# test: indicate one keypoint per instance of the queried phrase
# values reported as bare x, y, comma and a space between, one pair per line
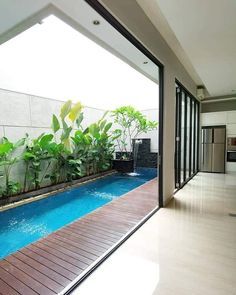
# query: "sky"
53, 60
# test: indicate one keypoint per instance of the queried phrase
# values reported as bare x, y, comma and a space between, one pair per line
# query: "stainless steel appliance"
231, 144
231, 149
213, 149
231, 156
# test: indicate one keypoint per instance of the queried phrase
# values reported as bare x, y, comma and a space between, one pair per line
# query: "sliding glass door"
187, 136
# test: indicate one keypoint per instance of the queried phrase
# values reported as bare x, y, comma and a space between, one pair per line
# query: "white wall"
24, 113
227, 118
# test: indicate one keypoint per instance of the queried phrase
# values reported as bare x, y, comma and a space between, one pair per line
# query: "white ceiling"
201, 33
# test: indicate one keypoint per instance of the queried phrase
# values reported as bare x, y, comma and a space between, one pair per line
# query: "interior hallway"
188, 248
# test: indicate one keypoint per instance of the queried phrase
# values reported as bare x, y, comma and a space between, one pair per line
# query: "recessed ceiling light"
145, 62
96, 22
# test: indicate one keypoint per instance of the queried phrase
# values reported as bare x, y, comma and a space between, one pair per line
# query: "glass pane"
192, 145
188, 137
197, 136
177, 134
182, 136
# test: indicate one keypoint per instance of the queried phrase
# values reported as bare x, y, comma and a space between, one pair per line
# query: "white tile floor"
188, 248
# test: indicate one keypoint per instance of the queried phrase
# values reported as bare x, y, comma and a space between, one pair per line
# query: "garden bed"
48, 190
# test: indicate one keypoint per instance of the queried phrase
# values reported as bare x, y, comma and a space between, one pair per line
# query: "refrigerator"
213, 149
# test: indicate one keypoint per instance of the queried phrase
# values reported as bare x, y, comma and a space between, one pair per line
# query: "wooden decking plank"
54, 250
83, 245
97, 227
49, 264
62, 281
124, 223
55, 259
78, 246
92, 235
76, 233
76, 256
94, 249
131, 208
131, 213
121, 214
96, 233
104, 222
14, 282
72, 249
140, 201
6, 289
37, 276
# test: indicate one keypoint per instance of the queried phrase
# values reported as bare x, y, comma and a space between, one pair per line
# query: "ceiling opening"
51, 59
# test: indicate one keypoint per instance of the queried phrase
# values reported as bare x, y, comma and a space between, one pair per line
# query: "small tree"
132, 123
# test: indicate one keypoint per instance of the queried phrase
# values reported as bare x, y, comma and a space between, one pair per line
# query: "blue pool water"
25, 224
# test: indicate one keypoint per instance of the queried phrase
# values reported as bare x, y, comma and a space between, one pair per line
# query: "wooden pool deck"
49, 265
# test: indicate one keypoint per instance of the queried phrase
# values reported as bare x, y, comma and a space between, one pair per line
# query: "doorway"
187, 136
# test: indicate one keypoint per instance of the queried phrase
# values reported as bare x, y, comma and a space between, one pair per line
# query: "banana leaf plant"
8, 158
102, 144
59, 155
35, 154
68, 116
66, 166
82, 150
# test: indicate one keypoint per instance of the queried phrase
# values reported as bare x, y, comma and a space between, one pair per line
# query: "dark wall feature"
220, 106
145, 157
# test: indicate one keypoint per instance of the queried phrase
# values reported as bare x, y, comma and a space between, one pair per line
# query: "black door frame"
193, 159
99, 8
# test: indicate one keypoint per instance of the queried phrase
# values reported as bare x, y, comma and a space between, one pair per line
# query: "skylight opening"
51, 59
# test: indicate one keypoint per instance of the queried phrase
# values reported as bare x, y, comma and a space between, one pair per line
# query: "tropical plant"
8, 158
132, 123
36, 152
69, 115
103, 144
94, 146
66, 166
65, 155
82, 150
58, 154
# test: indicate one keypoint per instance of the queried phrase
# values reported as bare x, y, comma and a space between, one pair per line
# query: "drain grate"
232, 214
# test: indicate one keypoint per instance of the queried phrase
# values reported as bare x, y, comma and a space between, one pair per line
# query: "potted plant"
131, 124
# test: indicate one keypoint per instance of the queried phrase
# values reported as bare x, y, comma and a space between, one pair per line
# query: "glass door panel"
182, 147
187, 136
188, 142
193, 138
